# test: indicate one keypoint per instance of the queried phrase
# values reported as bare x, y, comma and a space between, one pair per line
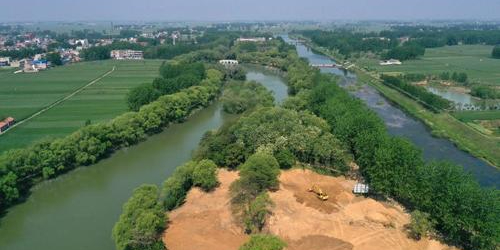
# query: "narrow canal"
78, 210
401, 124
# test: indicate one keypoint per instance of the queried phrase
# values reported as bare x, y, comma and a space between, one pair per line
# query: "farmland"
475, 60
99, 102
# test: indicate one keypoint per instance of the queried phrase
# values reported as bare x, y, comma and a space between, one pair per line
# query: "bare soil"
344, 222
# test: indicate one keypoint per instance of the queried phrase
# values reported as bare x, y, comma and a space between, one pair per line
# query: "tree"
140, 95
256, 213
259, 173
54, 58
495, 53
420, 225
263, 242
205, 175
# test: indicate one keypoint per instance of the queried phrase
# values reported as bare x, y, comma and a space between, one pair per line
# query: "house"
4, 61
127, 54
6, 123
390, 62
227, 62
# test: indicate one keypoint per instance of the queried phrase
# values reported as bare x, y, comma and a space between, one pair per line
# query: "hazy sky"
220, 10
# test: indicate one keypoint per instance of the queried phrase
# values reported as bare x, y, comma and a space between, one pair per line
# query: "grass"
99, 102
475, 60
467, 116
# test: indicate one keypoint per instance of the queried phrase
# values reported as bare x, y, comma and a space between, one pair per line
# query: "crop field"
100, 102
475, 60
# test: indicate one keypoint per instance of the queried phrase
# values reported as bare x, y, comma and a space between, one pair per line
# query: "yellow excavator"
319, 193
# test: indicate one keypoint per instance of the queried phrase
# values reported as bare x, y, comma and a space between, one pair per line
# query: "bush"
495, 53
285, 158
420, 225
255, 215
142, 221
263, 242
239, 97
205, 175
175, 188
259, 173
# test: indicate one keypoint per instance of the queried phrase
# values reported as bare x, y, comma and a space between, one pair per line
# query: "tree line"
20, 169
463, 213
434, 102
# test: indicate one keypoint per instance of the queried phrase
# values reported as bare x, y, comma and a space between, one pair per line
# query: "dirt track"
343, 222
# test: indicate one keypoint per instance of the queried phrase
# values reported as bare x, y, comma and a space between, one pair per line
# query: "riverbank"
442, 125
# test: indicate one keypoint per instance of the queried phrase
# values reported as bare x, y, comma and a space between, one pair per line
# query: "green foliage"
205, 175
285, 158
485, 92
433, 101
420, 225
263, 242
405, 52
259, 173
142, 221
54, 58
141, 95
256, 213
464, 213
175, 188
304, 135
495, 53
239, 97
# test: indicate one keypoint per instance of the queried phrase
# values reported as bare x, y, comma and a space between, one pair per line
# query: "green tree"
263, 242
54, 58
205, 175
256, 213
420, 225
259, 173
495, 53
141, 95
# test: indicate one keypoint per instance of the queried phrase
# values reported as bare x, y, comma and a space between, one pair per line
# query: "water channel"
401, 124
78, 210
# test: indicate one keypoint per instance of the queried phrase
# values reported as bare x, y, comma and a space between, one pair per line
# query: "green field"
475, 60
468, 116
99, 102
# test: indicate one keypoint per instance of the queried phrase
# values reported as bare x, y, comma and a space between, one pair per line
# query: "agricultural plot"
100, 102
486, 122
475, 60
23, 94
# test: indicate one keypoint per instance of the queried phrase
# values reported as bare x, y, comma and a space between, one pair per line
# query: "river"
78, 210
401, 124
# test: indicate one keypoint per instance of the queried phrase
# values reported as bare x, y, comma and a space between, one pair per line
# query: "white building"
4, 61
251, 39
227, 62
390, 62
127, 54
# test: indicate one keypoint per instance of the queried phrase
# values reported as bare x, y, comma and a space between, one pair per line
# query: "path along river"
401, 124
78, 210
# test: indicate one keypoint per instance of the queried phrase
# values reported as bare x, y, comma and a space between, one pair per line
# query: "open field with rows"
100, 102
475, 60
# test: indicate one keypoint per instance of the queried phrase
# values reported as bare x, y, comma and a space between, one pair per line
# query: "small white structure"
390, 62
361, 188
251, 39
227, 62
127, 54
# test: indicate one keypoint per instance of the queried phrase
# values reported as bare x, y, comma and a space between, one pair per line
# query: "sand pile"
205, 220
344, 222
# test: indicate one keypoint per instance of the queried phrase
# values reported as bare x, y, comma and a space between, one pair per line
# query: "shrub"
263, 242
255, 215
420, 225
142, 221
259, 173
285, 158
205, 175
239, 97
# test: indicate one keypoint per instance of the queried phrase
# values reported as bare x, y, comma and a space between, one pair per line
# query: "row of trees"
485, 92
20, 169
173, 77
433, 101
461, 211
407, 51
